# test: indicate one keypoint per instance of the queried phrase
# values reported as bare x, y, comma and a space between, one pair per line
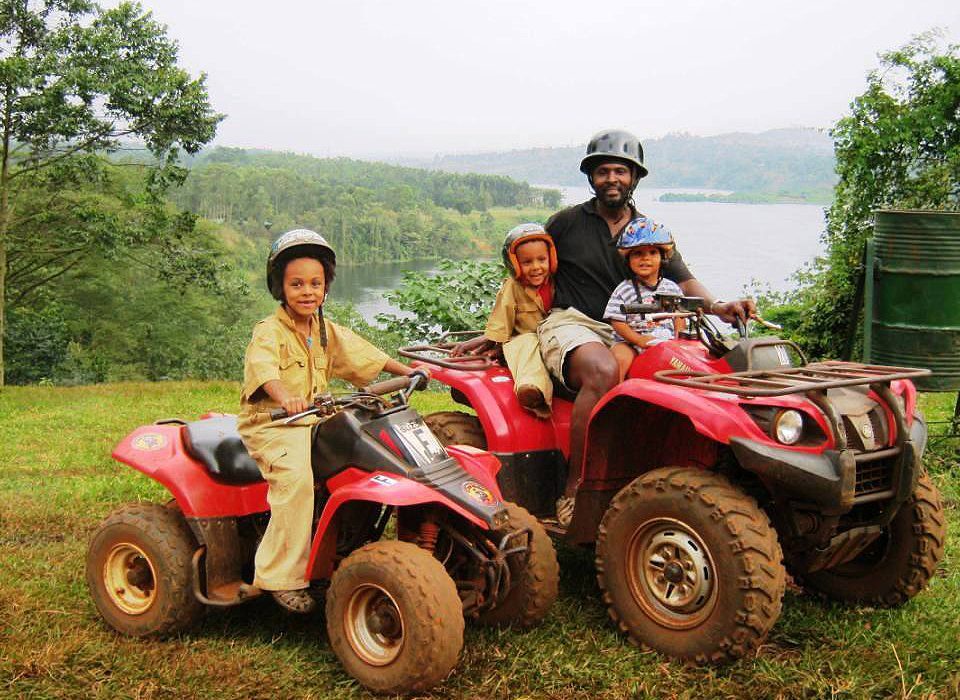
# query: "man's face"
612, 182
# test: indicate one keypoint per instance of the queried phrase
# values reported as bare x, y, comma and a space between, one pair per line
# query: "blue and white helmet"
644, 231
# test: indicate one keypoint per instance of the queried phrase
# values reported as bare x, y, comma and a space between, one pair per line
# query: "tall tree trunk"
4, 226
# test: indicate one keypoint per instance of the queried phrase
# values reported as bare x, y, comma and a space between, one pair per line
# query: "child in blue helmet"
647, 246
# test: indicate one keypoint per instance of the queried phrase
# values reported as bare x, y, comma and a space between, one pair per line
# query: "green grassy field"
57, 482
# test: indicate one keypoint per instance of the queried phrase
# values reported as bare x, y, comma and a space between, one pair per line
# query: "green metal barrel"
912, 295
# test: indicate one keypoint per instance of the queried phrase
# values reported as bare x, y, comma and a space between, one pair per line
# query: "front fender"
714, 415
353, 484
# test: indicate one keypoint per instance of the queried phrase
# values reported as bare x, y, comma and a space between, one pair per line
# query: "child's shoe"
531, 398
296, 601
565, 510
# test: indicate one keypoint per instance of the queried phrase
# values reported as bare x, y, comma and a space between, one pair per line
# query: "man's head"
614, 165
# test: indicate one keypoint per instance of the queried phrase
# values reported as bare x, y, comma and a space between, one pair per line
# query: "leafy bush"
457, 298
899, 148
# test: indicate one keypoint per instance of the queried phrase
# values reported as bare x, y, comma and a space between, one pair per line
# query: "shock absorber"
427, 538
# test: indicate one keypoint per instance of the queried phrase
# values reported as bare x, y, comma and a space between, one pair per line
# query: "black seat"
216, 443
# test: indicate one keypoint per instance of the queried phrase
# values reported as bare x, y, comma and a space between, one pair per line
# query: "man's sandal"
296, 601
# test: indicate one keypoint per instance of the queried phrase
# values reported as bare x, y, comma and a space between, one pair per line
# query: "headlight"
788, 426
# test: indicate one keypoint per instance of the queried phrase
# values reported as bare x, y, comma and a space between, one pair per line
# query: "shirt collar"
284, 318
590, 206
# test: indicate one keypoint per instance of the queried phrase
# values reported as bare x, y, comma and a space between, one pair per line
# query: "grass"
57, 482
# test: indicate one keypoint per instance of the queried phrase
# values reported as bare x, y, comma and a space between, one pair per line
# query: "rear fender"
507, 427
158, 452
393, 490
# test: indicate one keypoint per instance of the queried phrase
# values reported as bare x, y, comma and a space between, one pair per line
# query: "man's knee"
594, 368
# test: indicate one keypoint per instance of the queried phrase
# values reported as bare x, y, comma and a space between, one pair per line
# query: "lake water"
727, 246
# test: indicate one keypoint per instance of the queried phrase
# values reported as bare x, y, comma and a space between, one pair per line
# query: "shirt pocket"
319, 374
293, 372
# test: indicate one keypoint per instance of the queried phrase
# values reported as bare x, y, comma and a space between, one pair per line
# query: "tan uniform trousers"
522, 353
284, 461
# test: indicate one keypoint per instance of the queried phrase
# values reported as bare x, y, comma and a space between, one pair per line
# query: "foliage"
899, 148
457, 298
76, 81
368, 211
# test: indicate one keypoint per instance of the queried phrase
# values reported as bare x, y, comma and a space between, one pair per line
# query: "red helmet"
524, 233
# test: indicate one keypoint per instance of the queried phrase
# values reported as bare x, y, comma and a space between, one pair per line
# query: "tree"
76, 82
898, 148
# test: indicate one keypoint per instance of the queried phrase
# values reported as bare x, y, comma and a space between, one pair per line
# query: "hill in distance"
794, 161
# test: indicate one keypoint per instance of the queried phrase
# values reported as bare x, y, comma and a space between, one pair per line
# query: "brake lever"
766, 324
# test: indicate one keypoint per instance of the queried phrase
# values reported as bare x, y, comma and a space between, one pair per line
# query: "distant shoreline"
817, 198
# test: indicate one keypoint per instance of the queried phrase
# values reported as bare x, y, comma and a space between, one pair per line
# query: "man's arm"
726, 310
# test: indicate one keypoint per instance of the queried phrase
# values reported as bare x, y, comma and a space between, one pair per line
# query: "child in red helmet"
522, 302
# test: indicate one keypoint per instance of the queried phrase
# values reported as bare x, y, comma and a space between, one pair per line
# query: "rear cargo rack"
789, 380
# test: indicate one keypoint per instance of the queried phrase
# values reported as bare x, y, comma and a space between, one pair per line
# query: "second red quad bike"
711, 468
395, 607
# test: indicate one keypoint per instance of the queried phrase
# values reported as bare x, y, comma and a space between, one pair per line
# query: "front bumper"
835, 481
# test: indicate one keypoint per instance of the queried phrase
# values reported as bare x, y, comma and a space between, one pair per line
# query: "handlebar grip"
277, 413
387, 386
639, 308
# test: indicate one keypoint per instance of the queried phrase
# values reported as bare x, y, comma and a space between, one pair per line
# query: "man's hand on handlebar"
730, 311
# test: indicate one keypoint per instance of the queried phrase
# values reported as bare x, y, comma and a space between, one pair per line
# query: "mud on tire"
456, 428
690, 566
394, 617
139, 570
899, 564
535, 585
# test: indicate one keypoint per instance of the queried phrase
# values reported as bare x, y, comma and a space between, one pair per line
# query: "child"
292, 355
647, 247
522, 302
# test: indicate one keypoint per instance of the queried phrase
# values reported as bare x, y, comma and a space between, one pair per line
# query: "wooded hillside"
780, 160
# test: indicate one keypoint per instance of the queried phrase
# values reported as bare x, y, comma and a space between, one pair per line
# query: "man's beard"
616, 199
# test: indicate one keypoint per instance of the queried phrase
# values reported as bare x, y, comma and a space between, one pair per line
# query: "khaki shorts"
563, 331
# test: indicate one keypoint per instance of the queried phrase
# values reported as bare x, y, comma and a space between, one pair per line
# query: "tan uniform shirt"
518, 309
282, 452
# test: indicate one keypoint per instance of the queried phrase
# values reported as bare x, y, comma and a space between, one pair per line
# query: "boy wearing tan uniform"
290, 359
522, 303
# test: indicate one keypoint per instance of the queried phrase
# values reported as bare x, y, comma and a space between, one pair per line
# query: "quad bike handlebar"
325, 405
444, 347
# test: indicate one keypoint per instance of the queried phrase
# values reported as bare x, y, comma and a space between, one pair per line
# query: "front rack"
789, 380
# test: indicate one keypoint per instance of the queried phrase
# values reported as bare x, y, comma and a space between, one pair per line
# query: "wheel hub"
671, 573
129, 578
374, 625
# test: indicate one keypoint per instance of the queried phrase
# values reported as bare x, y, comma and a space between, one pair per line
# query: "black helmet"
613, 143
300, 242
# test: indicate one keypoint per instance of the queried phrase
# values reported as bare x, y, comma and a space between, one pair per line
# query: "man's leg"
593, 371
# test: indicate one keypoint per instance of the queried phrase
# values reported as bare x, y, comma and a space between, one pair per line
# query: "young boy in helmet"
647, 246
523, 301
294, 352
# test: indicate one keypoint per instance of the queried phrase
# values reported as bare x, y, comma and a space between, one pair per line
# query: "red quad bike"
713, 465
394, 607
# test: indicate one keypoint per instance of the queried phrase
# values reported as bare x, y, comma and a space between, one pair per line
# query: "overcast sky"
369, 78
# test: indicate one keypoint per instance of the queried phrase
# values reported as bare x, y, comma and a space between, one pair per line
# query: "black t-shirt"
589, 265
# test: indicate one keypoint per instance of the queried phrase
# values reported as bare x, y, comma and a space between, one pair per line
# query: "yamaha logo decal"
478, 492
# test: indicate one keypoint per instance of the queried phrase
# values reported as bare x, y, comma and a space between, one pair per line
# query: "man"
574, 339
